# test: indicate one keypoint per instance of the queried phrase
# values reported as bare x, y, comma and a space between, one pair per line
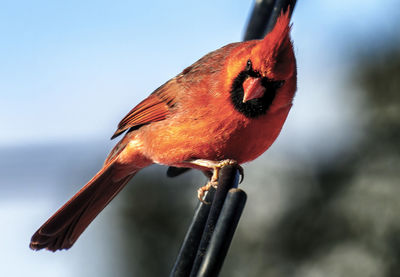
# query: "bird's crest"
275, 50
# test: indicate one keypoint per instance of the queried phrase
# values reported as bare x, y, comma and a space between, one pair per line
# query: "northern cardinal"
228, 107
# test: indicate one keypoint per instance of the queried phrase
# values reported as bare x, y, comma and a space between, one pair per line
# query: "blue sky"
70, 70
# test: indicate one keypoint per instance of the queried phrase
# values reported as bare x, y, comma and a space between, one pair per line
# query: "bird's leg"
216, 167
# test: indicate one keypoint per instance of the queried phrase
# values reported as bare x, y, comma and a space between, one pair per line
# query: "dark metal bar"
187, 253
264, 16
259, 19
228, 178
279, 6
223, 234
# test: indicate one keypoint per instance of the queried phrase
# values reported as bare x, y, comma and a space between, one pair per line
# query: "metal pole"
222, 237
187, 253
259, 19
228, 178
264, 16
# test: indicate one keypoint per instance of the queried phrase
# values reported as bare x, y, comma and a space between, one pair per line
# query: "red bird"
227, 107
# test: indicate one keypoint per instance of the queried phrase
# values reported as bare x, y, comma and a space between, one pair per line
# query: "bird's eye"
279, 84
272, 85
248, 65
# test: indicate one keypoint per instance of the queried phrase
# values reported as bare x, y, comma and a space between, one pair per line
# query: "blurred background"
323, 201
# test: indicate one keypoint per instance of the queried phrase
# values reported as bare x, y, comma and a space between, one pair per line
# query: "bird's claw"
201, 191
223, 163
241, 172
214, 178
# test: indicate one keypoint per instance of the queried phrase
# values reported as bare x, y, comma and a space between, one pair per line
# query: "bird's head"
264, 72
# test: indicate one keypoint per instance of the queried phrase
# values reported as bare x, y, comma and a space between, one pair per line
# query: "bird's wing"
154, 108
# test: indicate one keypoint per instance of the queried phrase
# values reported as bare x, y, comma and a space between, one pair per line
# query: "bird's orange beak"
252, 89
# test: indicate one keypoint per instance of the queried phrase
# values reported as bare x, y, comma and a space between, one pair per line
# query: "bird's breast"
213, 133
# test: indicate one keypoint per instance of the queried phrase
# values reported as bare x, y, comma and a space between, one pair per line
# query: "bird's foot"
216, 167
201, 191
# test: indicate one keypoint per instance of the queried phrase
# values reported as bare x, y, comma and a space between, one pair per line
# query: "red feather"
154, 108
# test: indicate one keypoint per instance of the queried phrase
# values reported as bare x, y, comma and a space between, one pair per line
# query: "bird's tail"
62, 229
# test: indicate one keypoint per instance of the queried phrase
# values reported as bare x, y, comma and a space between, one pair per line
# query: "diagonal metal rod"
228, 178
187, 254
264, 15
259, 19
203, 225
223, 234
